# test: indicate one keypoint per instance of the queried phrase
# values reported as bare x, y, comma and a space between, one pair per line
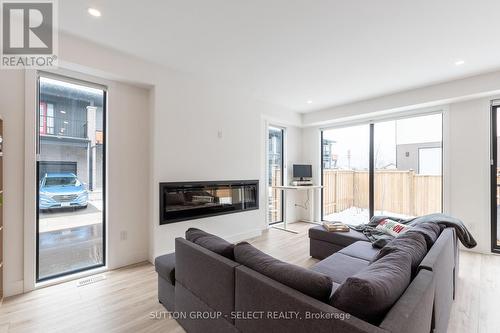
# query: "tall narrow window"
71, 186
275, 174
399, 176
495, 180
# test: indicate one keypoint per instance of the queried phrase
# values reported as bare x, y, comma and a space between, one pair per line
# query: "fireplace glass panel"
185, 201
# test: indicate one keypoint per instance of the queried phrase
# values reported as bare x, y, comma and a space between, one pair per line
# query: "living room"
160, 174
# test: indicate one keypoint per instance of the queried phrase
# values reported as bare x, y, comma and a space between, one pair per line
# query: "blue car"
62, 190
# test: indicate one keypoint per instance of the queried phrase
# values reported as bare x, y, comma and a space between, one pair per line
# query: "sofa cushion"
361, 250
371, 293
339, 238
165, 267
210, 242
429, 230
411, 243
309, 282
340, 266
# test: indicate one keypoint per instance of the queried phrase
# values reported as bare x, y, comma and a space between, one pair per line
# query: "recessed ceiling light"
63, 112
309, 102
459, 62
94, 12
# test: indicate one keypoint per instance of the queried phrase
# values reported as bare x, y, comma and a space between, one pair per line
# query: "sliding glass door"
71, 177
400, 174
275, 174
495, 180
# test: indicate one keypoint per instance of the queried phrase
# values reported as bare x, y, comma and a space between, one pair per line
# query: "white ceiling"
287, 52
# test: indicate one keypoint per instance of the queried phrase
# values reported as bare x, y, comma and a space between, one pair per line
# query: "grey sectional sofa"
213, 293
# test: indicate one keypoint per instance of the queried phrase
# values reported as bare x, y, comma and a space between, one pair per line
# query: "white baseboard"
132, 259
13, 288
243, 236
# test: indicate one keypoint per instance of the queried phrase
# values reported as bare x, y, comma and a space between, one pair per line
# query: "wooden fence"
401, 192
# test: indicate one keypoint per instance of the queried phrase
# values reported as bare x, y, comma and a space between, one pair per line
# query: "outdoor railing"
63, 127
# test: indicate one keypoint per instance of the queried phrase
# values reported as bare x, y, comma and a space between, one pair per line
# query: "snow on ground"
356, 216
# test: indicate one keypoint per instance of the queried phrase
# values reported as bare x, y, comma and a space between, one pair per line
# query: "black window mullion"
371, 172
494, 184
322, 167
282, 175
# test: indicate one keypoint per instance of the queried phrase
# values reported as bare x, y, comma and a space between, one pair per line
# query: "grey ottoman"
323, 243
165, 267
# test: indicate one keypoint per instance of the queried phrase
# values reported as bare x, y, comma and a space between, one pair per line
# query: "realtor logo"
29, 36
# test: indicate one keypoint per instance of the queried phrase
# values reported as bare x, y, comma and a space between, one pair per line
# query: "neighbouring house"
71, 133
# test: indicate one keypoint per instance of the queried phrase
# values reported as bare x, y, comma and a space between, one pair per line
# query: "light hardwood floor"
124, 301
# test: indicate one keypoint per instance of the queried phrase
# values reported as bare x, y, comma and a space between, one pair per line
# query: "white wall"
311, 154
187, 148
128, 150
469, 168
293, 155
12, 113
174, 136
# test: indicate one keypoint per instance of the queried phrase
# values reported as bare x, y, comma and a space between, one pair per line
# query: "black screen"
181, 201
302, 171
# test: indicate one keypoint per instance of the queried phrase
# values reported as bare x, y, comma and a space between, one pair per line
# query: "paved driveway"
71, 239
70, 249
59, 219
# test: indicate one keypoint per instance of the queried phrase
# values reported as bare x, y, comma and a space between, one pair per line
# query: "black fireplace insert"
181, 201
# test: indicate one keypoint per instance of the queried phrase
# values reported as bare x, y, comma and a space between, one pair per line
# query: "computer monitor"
302, 171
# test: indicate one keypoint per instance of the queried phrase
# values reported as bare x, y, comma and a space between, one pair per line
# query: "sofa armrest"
209, 276
441, 261
412, 313
269, 301
165, 267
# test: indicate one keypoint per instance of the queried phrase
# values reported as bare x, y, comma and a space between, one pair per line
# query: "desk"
310, 199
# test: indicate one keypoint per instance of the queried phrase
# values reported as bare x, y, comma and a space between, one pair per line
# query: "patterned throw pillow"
392, 227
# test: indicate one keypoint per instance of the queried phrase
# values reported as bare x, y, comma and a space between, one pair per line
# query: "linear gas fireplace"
193, 200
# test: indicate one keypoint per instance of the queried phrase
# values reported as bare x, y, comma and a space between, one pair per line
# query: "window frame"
282, 204
371, 162
495, 247
67, 79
